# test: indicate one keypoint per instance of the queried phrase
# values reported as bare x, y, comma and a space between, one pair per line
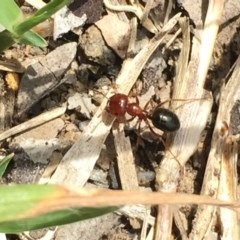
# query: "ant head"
117, 105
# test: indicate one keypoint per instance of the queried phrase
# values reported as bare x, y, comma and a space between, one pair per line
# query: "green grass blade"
29, 207
40, 16
32, 38
7, 40
10, 14
4, 163
17, 199
56, 218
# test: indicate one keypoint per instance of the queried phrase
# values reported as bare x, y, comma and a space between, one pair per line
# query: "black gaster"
165, 120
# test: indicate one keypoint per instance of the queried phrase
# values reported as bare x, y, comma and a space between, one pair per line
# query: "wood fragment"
125, 159
126, 165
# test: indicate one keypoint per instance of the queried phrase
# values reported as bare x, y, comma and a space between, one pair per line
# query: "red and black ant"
163, 119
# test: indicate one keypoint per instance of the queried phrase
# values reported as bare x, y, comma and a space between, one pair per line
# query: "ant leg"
151, 129
129, 120
115, 87
153, 107
137, 100
138, 135
134, 95
178, 100
138, 131
164, 144
148, 102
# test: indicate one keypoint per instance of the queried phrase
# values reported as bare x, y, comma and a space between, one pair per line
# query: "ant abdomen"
165, 120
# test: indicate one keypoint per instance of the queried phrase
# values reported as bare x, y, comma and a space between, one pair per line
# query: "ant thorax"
134, 110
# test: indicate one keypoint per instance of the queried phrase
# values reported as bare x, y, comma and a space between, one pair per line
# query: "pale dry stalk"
189, 84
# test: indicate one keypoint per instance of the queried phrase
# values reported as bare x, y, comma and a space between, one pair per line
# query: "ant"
161, 118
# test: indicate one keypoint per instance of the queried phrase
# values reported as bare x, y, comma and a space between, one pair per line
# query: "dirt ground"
75, 73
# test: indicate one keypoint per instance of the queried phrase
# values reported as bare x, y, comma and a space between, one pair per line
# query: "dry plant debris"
159, 50
38, 79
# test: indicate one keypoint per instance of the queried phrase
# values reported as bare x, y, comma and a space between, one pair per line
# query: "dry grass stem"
121, 15
137, 211
11, 66
227, 189
34, 122
136, 9
221, 164
193, 116
163, 226
211, 26
145, 225
127, 171
103, 197
133, 35
125, 159
146, 10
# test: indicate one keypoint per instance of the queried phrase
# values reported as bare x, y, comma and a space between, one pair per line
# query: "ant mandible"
163, 119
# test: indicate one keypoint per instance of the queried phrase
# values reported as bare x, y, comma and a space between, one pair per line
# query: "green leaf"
32, 38
4, 163
40, 16
10, 14
20, 198
12, 19
54, 219
7, 39
29, 207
